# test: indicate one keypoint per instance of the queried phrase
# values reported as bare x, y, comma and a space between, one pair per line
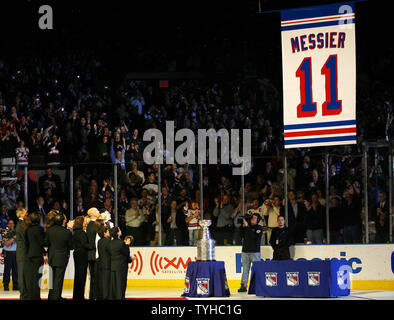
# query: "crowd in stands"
60, 111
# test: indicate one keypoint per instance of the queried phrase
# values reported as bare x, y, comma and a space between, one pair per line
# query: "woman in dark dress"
35, 254
120, 257
80, 254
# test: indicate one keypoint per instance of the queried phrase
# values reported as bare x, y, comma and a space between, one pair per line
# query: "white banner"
319, 75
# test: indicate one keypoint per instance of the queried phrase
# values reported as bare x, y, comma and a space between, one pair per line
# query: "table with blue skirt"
288, 278
206, 279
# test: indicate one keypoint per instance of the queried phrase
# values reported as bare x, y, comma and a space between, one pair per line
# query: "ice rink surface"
175, 294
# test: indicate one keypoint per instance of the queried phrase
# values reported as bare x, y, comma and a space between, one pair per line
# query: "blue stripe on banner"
314, 11
317, 24
317, 140
320, 124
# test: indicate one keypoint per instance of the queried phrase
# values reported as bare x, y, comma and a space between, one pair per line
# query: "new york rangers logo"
292, 279
187, 285
271, 279
313, 278
202, 286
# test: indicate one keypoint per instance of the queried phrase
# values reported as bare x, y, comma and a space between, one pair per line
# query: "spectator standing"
37, 149
123, 206
271, 208
314, 220
9, 142
50, 180
192, 218
4, 217
22, 155
104, 150
336, 223
351, 213
40, 208
224, 226
53, 146
382, 219
134, 218
296, 217
176, 226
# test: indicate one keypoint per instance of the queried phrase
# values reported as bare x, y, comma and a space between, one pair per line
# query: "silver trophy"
206, 245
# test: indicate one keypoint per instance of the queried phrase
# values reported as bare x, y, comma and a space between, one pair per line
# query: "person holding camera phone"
251, 232
271, 208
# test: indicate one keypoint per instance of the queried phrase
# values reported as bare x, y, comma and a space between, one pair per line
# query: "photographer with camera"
256, 208
251, 232
271, 208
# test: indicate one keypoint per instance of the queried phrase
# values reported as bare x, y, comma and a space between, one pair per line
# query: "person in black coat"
175, 225
351, 212
119, 254
315, 220
280, 241
91, 232
382, 219
80, 254
104, 263
296, 217
35, 255
59, 242
21, 252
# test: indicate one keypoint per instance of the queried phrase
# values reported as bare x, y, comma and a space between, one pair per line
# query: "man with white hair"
106, 217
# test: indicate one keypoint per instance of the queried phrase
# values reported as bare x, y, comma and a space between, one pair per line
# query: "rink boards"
372, 265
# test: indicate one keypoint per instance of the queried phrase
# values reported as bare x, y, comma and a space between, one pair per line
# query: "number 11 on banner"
331, 106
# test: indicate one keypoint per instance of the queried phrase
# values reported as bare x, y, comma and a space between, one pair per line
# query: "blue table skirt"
289, 278
206, 279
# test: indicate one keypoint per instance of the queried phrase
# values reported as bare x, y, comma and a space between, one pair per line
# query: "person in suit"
104, 263
120, 256
91, 232
41, 208
281, 240
296, 216
176, 226
59, 242
35, 254
50, 180
81, 247
129, 241
21, 252
382, 221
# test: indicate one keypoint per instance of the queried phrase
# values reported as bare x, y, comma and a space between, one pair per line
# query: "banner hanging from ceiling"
319, 75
